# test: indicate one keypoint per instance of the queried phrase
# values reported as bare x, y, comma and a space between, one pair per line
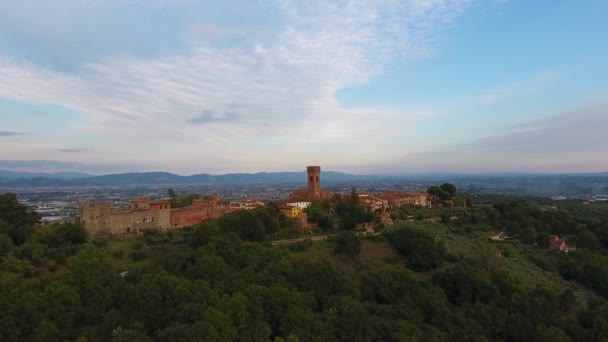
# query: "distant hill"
157, 178
231, 178
523, 183
36, 182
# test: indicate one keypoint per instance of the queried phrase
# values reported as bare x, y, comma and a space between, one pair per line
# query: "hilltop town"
145, 214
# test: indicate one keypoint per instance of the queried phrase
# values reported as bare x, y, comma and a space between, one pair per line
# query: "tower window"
317, 178
311, 179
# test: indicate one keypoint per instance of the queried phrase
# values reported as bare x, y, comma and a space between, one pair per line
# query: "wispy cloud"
74, 150
503, 92
209, 116
572, 141
10, 134
284, 81
58, 166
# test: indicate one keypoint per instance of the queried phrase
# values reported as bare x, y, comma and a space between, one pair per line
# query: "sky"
383, 86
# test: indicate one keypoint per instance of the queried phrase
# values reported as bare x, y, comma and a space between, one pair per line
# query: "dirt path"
498, 237
288, 241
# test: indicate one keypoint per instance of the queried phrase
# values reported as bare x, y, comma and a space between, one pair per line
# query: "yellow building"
291, 212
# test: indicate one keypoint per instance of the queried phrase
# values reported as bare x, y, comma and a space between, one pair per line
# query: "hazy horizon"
387, 174
362, 87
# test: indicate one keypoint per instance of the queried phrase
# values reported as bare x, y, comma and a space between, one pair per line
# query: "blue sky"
383, 86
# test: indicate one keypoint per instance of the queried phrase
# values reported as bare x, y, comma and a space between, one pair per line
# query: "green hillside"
223, 280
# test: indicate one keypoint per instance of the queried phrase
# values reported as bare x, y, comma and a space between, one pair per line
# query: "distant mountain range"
23, 179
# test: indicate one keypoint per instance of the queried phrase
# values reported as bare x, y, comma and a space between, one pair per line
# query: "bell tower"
314, 181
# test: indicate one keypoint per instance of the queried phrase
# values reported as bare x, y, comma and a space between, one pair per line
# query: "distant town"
60, 201
144, 214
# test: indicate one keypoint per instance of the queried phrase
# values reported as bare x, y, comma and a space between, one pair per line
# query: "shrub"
139, 255
60, 234
118, 253
52, 267
376, 238
101, 238
347, 243
6, 245
301, 245
137, 245
51, 252
419, 246
60, 258
39, 257
392, 259
71, 250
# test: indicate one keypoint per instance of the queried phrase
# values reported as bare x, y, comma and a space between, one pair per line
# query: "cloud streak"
10, 134
520, 88
572, 141
74, 150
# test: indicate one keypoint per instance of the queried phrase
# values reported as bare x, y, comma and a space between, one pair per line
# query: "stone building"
95, 217
399, 199
99, 218
314, 181
290, 211
313, 191
207, 208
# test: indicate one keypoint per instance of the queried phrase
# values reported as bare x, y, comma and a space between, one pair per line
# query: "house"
290, 211
560, 244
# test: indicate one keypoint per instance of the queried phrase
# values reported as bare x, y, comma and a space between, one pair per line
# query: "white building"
301, 205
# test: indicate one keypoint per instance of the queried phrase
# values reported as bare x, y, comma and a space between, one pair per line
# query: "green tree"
326, 223
567, 301
528, 235
133, 333
347, 243
315, 214
445, 219
543, 240
90, 275
182, 199
60, 234
15, 213
439, 192
16, 220
550, 334
586, 239
171, 193
6, 245
488, 258
449, 188
419, 246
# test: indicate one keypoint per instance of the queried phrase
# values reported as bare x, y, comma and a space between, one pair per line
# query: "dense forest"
438, 277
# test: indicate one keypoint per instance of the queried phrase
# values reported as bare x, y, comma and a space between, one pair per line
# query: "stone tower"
314, 181
95, 217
